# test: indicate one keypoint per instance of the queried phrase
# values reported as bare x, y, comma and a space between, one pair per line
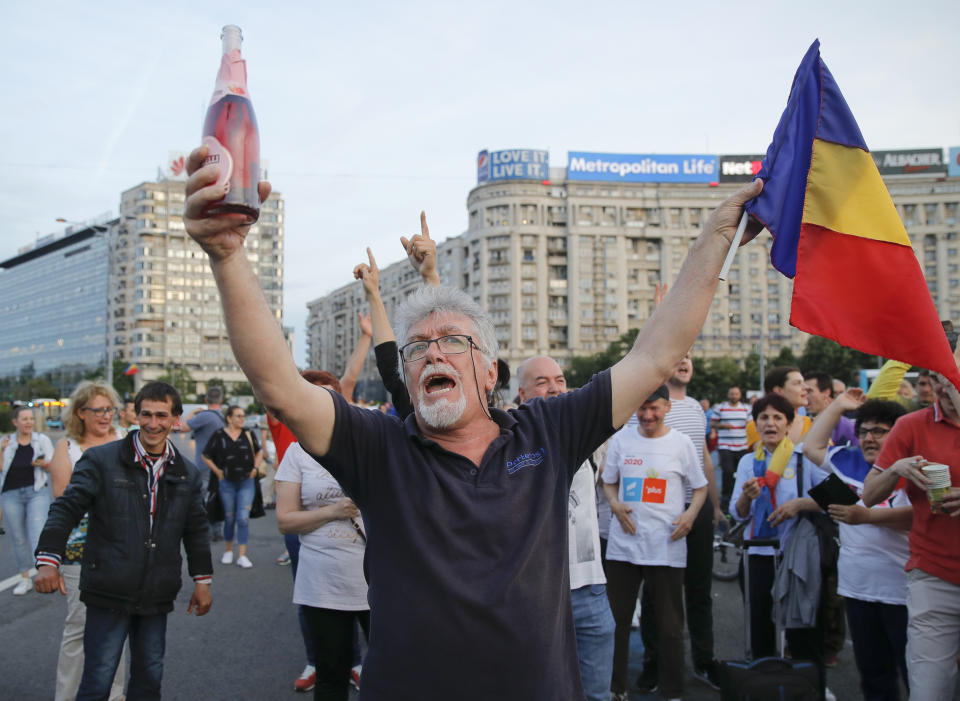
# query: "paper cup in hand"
938, 483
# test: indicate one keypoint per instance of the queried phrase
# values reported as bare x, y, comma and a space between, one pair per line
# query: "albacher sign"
918, 161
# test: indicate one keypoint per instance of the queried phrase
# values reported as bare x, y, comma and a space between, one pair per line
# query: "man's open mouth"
439, 383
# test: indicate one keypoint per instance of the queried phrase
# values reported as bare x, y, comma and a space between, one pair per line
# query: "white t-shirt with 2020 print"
330, 572
653, 474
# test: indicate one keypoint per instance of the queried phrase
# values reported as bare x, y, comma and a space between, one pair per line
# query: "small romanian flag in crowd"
836, 232
132, 369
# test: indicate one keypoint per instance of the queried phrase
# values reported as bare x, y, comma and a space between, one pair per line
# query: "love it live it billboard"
642, 167
513, 164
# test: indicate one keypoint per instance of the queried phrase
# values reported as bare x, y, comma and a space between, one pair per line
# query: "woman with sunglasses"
234, 455
25, 492
88, 423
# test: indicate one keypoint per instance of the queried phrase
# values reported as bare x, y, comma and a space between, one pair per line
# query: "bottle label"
217, 153
232, 78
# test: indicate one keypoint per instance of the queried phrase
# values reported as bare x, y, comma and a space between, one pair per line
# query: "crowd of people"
510, 543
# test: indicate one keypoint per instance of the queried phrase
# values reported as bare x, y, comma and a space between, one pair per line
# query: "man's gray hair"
214, 395
429, 299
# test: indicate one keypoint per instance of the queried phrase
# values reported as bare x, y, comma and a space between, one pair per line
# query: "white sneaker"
227, 558
244, 562
307, 680
23, 586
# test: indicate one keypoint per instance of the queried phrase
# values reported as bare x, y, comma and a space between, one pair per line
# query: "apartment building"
164, 308
567, 259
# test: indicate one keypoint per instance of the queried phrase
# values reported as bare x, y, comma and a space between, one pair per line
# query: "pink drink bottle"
231, 135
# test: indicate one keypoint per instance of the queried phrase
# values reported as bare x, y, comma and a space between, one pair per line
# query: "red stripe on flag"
869, 295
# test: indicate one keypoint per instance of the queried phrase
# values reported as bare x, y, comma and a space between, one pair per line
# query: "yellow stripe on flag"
846, 194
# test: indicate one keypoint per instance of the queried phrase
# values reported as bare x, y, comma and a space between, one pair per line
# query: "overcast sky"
372, 111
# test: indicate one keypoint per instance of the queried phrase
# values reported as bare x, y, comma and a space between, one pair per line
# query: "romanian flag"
132, 369
836, 232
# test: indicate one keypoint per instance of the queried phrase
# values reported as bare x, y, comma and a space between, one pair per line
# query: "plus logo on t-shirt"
654, 490
651, 490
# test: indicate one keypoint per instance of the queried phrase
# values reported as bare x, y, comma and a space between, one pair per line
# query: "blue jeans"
594, 626
237, 498
25, 512
103, 638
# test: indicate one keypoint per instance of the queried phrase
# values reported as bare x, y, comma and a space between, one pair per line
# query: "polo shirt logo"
526, 460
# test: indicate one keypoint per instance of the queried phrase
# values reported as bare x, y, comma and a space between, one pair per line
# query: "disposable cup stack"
938, 482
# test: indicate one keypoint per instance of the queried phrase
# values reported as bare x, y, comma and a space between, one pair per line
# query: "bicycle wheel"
726, 560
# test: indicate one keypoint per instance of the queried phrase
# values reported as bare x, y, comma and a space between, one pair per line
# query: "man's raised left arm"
675, 323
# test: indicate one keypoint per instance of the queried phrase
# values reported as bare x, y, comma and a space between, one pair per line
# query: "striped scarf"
155, 467
768, 473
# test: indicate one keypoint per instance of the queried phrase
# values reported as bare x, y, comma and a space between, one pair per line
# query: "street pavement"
249, 645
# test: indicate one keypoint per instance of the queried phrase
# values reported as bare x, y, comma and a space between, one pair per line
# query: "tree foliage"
837, 361
241, 389
28, 384
181, 379
121, 382
583, 367
712, 377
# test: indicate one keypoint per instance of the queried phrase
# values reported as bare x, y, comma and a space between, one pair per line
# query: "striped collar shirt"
155, 467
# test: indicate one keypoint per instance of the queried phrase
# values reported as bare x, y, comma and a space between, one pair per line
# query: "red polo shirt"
282, 437
934, 538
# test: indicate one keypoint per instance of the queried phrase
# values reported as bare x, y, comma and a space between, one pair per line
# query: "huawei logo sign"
177, 165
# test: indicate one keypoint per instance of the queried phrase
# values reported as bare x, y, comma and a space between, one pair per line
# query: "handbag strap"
253, 453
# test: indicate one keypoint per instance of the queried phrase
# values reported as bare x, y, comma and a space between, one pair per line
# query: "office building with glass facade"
53, 303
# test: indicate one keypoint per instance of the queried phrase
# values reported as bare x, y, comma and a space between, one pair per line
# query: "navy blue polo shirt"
469, 585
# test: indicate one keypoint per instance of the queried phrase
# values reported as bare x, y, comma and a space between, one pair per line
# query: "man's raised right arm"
255, 336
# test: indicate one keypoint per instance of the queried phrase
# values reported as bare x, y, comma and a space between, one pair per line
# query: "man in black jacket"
143, 499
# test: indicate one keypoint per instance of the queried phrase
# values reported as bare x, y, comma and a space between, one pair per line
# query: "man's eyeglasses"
454, 344
101, 411
875, 432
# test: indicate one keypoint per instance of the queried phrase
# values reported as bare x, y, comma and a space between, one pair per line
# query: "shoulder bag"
256, 509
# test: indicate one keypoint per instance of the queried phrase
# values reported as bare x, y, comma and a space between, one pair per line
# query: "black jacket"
126, 566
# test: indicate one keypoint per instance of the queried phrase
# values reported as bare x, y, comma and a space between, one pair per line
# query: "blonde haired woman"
88, 423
